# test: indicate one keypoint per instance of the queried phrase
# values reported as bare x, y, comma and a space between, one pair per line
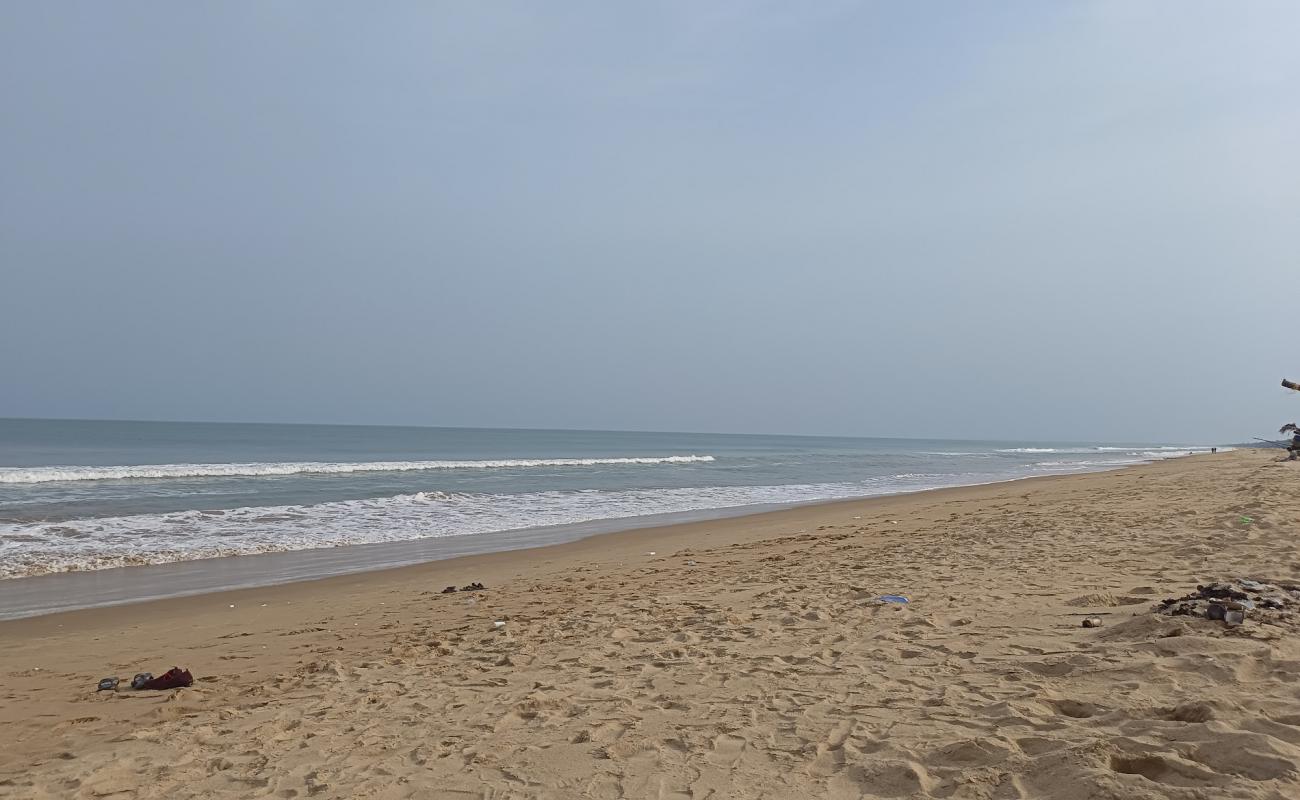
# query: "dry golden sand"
763, 670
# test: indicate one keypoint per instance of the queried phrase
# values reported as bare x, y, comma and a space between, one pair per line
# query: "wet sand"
744, 657
68, 591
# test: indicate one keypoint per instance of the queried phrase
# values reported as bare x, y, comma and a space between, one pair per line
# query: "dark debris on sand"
473, 587
1232, 601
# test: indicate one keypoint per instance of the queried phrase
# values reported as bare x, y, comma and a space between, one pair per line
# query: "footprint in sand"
1171, 770
879, 779
1074, 708
727, 749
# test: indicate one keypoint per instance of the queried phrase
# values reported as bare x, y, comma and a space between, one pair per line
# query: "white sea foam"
84, 473
102, 542
33, 548
1119, 457
1106, 462
1147, 451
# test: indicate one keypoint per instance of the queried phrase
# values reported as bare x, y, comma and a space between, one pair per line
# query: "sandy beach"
745, 657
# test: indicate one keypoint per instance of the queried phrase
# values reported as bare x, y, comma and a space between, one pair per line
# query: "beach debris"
1271, 442
174, 678
108, 685
473, 587
691, 563
893, 598
650, 553
1230, 601
1091, 622
1245, 520
1292, 447
499, 624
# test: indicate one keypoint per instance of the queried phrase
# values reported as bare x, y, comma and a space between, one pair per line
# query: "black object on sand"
174, 678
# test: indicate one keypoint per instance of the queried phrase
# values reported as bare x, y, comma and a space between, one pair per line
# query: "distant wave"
955, 453
1120, 456
82, 473
1161, 451
1106, 462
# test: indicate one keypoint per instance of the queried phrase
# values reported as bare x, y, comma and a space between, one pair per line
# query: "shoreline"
749, 655
625, 541
41, 595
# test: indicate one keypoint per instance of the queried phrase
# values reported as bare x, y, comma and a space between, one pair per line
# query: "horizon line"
580, 430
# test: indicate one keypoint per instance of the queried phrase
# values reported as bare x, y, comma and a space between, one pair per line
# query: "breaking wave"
78, 473
104, 542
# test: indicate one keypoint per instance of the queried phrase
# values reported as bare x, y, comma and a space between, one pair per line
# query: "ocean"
79, 496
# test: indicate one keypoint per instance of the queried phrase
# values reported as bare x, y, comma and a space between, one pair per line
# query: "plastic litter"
893, 598
108, 684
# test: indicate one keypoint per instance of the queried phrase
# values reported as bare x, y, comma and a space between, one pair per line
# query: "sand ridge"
751, 663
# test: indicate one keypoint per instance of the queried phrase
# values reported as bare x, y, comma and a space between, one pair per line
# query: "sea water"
91, 495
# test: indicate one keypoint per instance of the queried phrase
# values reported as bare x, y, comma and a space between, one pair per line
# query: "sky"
1014, 220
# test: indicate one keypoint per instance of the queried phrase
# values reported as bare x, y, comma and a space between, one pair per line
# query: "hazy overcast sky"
1075, 220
